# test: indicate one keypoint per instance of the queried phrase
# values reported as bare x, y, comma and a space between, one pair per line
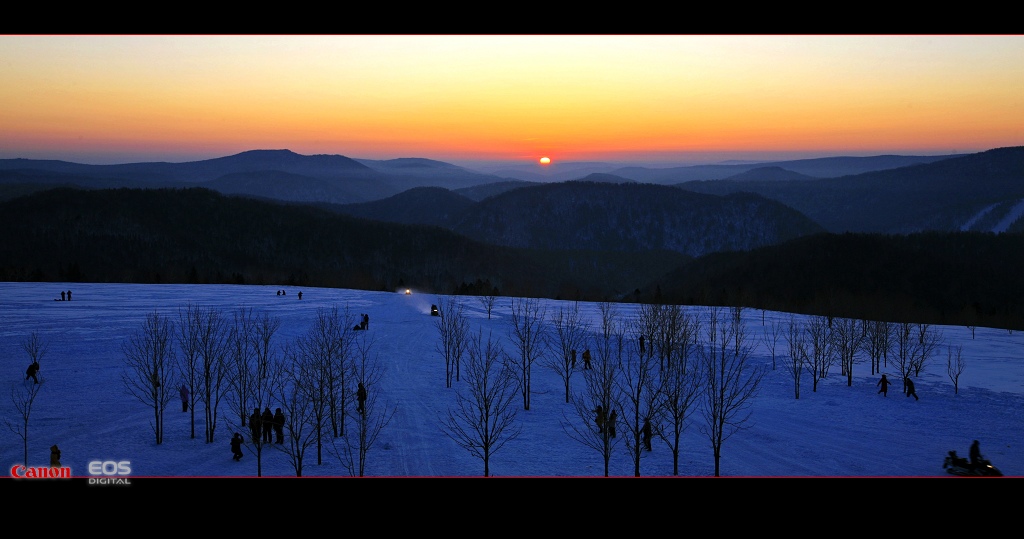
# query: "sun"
545, 160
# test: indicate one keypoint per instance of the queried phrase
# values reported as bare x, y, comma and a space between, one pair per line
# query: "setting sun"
545, 160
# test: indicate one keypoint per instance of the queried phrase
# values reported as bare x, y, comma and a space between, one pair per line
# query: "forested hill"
196, 235
967, 278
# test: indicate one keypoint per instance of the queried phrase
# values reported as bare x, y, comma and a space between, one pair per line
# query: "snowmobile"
960, 466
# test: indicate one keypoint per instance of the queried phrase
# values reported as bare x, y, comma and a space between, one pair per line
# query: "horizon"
654, 99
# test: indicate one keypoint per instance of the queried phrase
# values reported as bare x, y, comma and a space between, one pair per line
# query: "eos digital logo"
110, 472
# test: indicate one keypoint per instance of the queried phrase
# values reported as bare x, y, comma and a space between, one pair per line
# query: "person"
279, 425
54, 456
62, 295
300, 294
600, 418
267, 420
574, 358
586, 358
647, 434
254, 424
366, 321
184, 397
31, 371
975, 455
361, 397
641, 345
910, 387
884, 382
278, 292
236, 447
611, 423
69, 295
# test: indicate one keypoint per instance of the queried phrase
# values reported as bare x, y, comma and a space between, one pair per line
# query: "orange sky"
111, 99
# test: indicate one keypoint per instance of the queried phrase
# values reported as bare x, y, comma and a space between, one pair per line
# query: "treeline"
198, 236
962, 278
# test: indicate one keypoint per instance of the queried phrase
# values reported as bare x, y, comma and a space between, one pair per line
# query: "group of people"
364, 323
64, 296
586, 359
908, 387
280, 293
264, 426
974, 454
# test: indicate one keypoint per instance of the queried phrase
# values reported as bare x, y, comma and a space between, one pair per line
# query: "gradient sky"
460, 98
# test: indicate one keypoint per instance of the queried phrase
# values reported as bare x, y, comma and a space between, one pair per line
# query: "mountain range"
607, 232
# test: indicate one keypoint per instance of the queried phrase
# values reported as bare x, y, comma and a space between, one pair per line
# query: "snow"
837, 431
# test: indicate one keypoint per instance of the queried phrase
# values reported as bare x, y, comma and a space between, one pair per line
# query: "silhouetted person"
647, 434
910, 387
641, 345
278, 292
62, 295
69, 295
611, 423
31, 371
254, 424
361, 398
183, 391
600, 418
267, 420
366, 321
54, 456
975, 455
236, 447
279, 425
574, 359
300, 294
884, 383
586, 359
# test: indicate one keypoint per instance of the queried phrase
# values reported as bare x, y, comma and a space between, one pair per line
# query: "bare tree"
797, 339
213, 365
771, 336
680, 382
453, 328
599, 390
877, 342
484, 420
256, 369
302, 425
529, 339
955, 365
149, 360
639, 383
820, 350
730, 381
376, 413
322, 368
23, 396
570, 331
904, 349
190, 319
847, 336
488, 302
929, 339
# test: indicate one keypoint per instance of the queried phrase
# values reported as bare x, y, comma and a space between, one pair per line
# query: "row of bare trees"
237, 360
820, 342
653, 388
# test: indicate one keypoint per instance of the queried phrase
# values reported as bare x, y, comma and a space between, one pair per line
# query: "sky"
468, 99
838, 431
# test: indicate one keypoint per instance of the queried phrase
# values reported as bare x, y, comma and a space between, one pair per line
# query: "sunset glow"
115, 99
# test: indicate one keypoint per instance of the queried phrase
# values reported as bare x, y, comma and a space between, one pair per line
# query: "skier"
884, 382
